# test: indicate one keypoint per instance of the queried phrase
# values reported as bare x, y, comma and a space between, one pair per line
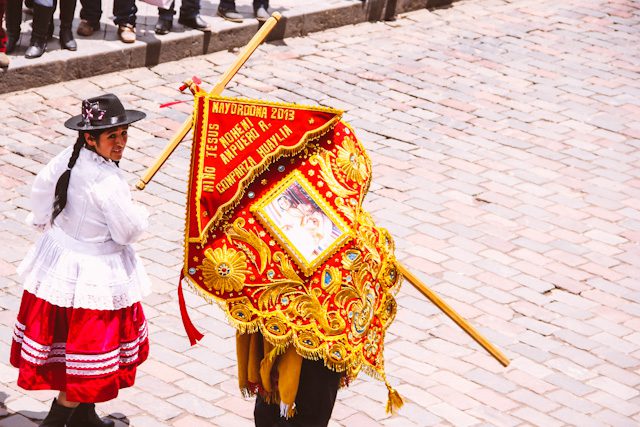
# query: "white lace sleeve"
125, 219
43, 190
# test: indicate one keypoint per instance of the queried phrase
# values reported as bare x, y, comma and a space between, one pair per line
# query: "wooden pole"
453, 315
253, 44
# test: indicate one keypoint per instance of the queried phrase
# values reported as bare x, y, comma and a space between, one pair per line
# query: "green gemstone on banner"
192, 270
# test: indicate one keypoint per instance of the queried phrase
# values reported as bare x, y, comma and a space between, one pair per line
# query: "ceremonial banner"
276, 233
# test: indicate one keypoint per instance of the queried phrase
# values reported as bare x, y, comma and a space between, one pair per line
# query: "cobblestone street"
505, 140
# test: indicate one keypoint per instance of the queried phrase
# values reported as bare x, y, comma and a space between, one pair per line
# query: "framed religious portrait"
302, 221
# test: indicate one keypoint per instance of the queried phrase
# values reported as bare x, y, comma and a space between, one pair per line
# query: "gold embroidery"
224, 269
351, 162
238, 232
323, 160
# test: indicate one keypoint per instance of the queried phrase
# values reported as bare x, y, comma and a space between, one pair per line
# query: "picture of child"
302, 221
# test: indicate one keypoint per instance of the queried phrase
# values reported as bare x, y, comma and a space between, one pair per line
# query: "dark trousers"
123, 10
188, 10
316, 396
231, 4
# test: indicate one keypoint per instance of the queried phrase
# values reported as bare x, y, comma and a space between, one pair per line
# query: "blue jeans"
189, 9
227, 5
123, 10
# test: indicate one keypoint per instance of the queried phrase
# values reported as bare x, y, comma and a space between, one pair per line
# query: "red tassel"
193, 334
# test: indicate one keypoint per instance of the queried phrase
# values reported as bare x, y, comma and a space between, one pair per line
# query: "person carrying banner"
309, 384
276, 234
80, 328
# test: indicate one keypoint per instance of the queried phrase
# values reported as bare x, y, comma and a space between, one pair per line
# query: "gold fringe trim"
351, 367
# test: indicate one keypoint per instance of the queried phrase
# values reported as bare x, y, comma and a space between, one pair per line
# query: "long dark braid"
60, 200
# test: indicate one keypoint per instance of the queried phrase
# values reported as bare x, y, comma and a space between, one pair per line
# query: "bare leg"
62, 400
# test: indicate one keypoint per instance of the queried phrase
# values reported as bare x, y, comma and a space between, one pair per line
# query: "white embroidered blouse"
85, 260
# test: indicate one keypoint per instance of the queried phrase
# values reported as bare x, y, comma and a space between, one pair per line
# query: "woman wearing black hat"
80, 328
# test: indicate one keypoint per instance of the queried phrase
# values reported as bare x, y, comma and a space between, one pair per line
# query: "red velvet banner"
277, 235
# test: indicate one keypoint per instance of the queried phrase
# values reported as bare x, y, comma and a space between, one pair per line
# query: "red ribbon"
193, 334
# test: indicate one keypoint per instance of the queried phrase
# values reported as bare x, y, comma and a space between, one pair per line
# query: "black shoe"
12, 41
163, 26
230, 15
36, 49
66, 39
13, 19
58, 414
85, 416
197, 23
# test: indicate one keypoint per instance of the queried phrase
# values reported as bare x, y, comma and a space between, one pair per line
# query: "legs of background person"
39, 31
165, 19
190, 15
124, 12
260, 3
4, 59
90, 14
260, 9
67, 10
13, 20
125, 18
189, 9
167, 14
227, 10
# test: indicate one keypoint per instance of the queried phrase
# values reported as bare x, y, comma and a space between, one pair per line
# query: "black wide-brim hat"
102, 112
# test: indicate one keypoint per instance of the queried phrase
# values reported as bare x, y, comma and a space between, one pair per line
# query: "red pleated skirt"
89, 354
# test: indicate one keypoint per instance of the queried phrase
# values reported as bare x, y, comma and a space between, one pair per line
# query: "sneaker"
262, 14
127, 33
230, 15
86, 28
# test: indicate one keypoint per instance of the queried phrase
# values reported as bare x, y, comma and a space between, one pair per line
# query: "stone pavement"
505, 139
103, 52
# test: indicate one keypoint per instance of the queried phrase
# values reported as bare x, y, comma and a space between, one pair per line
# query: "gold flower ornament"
224, 269
351, 162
